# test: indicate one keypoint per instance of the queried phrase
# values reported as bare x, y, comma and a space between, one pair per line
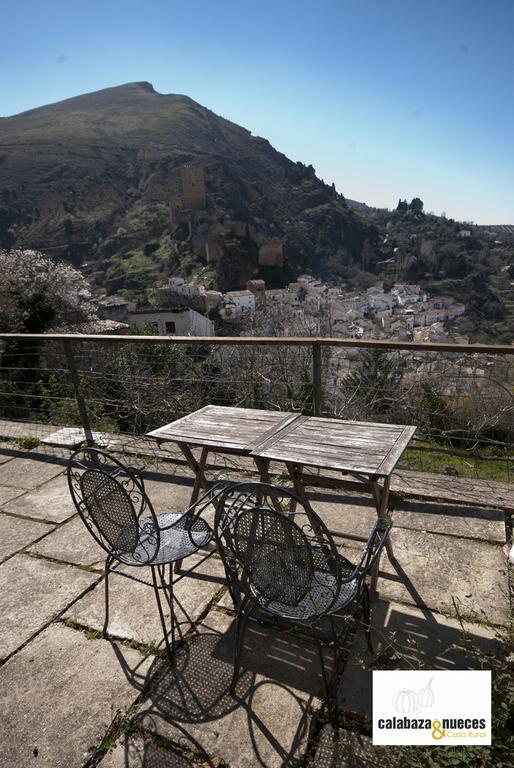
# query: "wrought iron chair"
281, 561
114, 506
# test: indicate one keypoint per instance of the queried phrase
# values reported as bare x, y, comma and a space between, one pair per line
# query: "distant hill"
355, 205
90, 179
498, 228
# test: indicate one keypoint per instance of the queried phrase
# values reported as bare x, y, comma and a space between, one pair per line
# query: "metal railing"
459, 396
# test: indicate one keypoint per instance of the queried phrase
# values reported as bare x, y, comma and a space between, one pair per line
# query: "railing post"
316, 377
72, 366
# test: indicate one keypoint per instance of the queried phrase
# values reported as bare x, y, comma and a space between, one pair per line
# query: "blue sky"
386, 99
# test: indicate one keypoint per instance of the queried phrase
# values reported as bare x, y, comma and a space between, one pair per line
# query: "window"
170, 327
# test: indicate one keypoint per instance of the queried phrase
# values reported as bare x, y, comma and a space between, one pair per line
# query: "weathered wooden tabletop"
237, 430
349, 446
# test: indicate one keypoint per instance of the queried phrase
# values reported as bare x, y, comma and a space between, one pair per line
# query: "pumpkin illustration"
405, 701
426, 695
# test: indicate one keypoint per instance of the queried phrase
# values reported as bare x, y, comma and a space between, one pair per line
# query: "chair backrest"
114, 506
273, 543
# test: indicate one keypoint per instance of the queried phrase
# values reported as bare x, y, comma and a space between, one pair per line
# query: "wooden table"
219, 429
364, 453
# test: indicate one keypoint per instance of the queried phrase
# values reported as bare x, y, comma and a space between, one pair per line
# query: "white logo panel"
424, 707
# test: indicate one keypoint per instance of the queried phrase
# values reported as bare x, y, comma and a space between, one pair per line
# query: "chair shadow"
280, 674
142, 751
406, 637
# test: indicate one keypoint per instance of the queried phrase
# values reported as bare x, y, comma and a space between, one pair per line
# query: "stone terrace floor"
70, 698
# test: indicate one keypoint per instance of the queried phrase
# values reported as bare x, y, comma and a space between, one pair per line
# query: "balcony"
72, 698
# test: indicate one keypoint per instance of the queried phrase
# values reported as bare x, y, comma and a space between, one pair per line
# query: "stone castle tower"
193, 187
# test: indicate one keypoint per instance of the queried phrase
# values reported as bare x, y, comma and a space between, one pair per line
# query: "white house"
178, 288
243, 301
382, 301
169, 322
355, 301
279, 296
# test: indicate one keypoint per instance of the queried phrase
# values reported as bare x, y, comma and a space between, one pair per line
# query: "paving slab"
133, 608
482, 523
51, 501
266, 722
59, 695
406, 637
466, 490
17, 532
32, 592
356, 517
143, 752
8, 493
72, 543
346, 750
169, 495
28, 473
434, 570
10, 430
67, 437
354, 521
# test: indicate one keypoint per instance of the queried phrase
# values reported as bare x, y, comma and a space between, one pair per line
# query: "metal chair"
281, 561
114, 506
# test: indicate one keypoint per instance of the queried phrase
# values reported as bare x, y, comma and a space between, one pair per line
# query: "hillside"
90, 180
474, 264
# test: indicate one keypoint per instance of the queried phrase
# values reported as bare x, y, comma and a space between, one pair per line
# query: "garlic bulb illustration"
425, 696
405, 701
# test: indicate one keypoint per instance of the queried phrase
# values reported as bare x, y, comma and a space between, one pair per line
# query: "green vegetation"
27, 442
464, 466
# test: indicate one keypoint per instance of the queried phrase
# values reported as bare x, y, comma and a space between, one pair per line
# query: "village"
405, 312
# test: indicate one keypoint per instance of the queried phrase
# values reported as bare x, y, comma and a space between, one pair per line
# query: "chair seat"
319, 598
180, 535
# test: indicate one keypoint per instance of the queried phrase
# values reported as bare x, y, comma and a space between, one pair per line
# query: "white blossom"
27, 276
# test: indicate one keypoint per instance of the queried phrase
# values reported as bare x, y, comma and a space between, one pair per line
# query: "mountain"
98, 180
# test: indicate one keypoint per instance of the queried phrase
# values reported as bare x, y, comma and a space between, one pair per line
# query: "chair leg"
322, 665
173, 621
106, 585
170, 648
243, 614
366, 604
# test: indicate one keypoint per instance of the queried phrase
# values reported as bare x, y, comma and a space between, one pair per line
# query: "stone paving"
70, 698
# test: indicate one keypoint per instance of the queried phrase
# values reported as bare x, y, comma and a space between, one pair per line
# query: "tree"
416, 204
402, 205
366, 255
36, 293
374, 384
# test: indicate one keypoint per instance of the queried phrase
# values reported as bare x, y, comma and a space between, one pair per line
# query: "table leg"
295, 473
201, 481
263, 467
381, 496
198, 468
